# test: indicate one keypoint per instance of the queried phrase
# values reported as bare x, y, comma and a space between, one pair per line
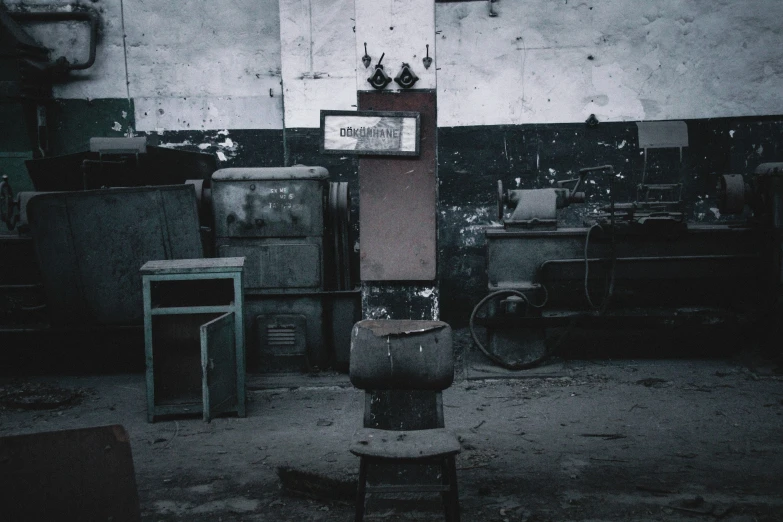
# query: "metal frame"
448, 487
372, 114
186, 274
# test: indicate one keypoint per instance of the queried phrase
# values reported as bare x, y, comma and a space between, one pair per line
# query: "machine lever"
585, 171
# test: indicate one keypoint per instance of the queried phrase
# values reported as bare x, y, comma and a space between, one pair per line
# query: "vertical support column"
398, 195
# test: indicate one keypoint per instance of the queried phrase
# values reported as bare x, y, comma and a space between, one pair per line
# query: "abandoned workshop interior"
333, 260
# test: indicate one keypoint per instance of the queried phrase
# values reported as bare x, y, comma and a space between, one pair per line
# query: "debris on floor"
316, 486
38, 396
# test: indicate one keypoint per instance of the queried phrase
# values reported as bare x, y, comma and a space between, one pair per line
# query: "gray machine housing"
292, 227
636, 266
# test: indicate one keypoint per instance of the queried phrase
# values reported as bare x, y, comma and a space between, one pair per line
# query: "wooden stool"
403, 366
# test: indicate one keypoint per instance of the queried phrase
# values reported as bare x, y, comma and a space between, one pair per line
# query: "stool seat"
412, 444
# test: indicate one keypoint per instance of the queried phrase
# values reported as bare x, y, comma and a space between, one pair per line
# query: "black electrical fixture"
427, 61
406, 78
366, 58
379, 79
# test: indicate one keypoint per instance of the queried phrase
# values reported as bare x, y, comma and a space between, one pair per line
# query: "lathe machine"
637, 264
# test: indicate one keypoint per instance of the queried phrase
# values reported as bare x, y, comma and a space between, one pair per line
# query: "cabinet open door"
219, 366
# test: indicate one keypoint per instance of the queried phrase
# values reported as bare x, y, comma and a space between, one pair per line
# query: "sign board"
370, 132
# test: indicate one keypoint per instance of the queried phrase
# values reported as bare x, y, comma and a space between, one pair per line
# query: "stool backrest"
402, 366
401, 355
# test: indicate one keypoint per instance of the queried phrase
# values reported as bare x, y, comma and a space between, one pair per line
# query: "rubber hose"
491, 356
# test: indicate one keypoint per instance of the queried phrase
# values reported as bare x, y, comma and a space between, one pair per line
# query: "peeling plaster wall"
204, 64
553, 61
318, 59
187, 65
215, 64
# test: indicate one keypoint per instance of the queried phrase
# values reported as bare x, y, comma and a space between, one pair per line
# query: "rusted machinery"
72, 259
637, 264
79, 245
293, 227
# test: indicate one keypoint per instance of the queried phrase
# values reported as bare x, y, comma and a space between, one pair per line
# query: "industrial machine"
637, 264
293, 227
74, 259
80, 240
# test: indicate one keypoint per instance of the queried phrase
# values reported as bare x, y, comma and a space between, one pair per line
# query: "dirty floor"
597, 440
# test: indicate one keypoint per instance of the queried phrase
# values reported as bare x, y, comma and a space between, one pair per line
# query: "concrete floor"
614, 440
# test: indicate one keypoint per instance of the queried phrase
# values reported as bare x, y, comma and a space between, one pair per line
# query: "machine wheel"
539, 351
339, 216
731, 193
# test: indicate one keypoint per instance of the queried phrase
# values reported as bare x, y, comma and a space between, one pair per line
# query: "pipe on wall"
62, 65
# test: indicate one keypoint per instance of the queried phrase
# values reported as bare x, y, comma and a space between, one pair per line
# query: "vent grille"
281, 335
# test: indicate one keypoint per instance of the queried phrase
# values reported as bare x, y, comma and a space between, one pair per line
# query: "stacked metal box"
281, 220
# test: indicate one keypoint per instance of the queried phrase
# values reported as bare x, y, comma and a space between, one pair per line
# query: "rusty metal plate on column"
398, 198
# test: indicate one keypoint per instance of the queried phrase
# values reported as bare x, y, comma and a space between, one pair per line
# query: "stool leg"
446, 495
451, 466
361, 489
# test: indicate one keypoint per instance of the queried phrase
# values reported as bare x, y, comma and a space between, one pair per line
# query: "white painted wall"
204, 64
317, 42
656, 59
398, 30
210, 64
191, 64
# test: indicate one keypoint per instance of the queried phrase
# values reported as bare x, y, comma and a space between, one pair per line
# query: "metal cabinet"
194, 337
293, 228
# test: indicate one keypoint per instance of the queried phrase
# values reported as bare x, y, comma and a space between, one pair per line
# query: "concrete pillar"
398, 195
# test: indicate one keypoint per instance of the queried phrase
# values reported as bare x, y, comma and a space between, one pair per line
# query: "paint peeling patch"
204, 146
221, 156
715, 212
518, 181
172, 145
224, 132
435, 308
125, 114
731, 133
427, 292
377, 312
621, 145
116, 126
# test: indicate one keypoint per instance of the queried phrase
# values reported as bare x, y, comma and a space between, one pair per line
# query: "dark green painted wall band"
470, 161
